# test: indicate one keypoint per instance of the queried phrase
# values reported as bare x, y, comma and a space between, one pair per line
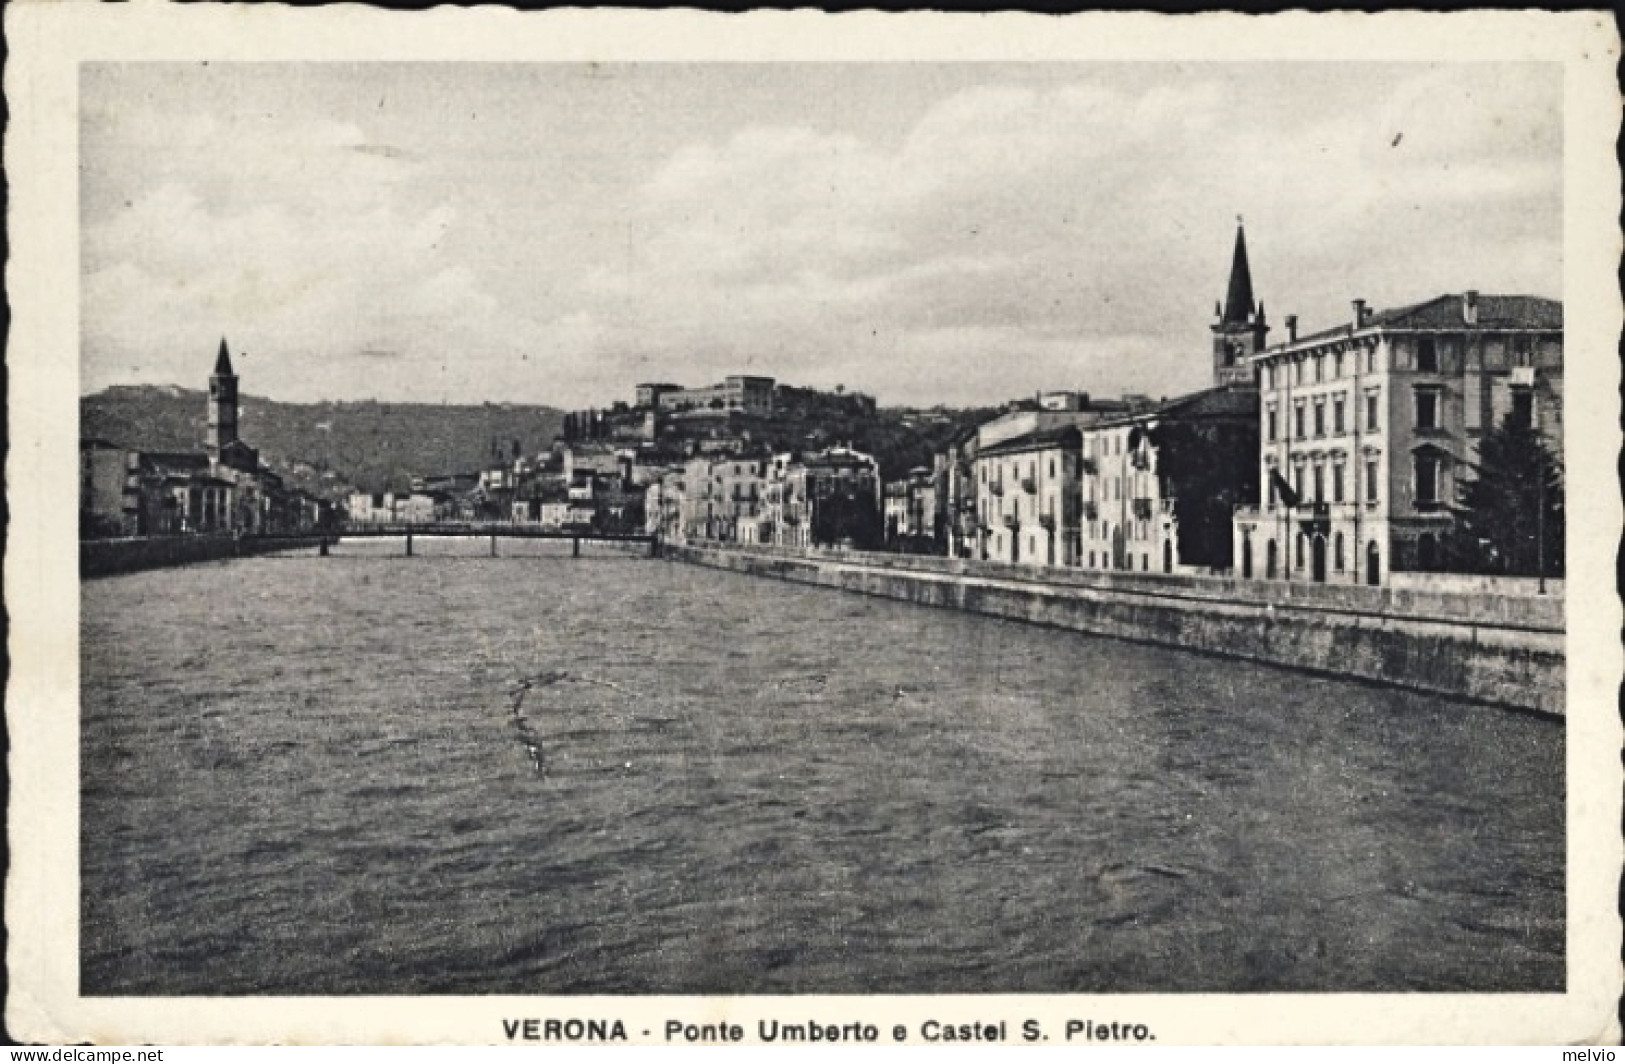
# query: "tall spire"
222, 361
1238, 303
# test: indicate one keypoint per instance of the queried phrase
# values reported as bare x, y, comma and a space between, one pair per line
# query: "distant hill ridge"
372, 446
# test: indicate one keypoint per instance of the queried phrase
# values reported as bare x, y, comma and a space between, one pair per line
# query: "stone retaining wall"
108, 557
1494, 651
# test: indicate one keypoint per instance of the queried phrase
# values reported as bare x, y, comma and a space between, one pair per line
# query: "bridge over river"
491, 530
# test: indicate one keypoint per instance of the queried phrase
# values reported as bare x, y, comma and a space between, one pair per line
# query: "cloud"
1009, 235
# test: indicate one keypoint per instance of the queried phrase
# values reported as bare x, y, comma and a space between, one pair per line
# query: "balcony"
1318, 519
1091, 510
1011, 521
1142, 509
996, 487
1029, 485
1047, 520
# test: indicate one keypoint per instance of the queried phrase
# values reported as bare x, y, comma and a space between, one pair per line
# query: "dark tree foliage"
1210, 468
847, 516
1500, 519
98, 526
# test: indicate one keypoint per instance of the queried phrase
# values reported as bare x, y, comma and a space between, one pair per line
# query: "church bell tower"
1239, 327
222, 403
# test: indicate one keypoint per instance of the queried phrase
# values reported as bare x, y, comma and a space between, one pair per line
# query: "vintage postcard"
680, 528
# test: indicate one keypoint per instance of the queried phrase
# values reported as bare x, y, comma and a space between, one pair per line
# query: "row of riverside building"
224, 488
1333, 457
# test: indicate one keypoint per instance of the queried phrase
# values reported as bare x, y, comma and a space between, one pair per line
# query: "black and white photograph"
814, 526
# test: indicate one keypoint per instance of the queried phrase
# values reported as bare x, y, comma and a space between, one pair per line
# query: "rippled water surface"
307, 775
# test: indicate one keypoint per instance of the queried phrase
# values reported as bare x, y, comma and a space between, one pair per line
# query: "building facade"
1369, 430
831, 498
736, 394
1027, 492
1159, 487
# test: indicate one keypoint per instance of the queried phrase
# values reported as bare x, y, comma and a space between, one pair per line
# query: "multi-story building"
1005, 527
104, 505
954, 470
894, 510
712, 500
371, 508
647, 396
1369, 429
910, 512
830, 498
224, 487
1158, 487
736, 394
1027, 497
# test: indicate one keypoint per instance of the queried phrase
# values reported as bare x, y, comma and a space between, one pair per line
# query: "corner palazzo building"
1368, 430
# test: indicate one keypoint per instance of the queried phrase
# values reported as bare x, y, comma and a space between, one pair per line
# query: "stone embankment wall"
1501, 650
108, 557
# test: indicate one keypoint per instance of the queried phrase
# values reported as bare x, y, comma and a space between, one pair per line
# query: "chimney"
1469, 307
1359, 313
1291, 328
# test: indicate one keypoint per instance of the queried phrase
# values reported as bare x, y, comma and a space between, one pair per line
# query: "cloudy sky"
962, 233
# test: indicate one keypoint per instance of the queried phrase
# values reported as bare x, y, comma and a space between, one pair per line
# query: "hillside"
370, 445
900, 439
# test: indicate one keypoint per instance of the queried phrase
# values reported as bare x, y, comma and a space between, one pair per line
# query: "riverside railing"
1522, 612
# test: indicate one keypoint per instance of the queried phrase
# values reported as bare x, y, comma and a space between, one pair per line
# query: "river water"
323, 775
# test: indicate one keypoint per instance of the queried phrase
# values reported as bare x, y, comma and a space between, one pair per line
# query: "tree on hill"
1510, 517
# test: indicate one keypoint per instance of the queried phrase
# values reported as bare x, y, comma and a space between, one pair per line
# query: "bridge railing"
488, 528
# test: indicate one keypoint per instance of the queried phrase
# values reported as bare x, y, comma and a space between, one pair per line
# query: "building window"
1337, 415
1371, 480
1269, 420
1371, 360
1298, 560
1320, 368
1337, 552
1320, 418
1427, 479
1337, 483
1427, 409
1269, 376
1297, 481
1320, 483
1427, 356
1371, 404
1297, 417
1297, 372
1337, 365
